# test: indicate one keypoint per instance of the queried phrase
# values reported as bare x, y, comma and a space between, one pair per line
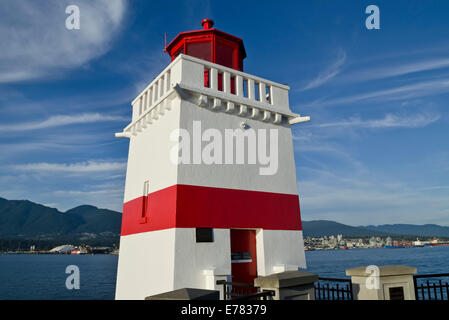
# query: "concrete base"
289, 285
382, 282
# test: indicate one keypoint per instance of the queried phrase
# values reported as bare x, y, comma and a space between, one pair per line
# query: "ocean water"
333, 263
30, 276
44, 277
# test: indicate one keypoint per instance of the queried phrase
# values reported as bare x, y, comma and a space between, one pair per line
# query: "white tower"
213, 214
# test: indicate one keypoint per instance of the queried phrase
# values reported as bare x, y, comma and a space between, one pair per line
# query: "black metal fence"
427, 287
243, 291
333, 289
432, 286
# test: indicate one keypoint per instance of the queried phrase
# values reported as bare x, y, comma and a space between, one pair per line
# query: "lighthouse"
211, 190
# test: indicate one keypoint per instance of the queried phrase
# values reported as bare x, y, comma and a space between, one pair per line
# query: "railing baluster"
213, 79
144, 101
167, 81
447, 291
251, 89
239, 86
319, 291
338, 293
161, 86
226, 82
155, 92
262, 92
140, 106
435, 291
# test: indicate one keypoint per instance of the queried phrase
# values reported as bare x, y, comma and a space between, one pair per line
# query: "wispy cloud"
397, 70
88, 193
82, 167
62, 120
389, 121
414, 90
38, 43
329, 73
435, 188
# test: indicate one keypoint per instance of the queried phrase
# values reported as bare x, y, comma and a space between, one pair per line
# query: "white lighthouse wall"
279, 250
149, 155
237, 176
146, 260
145, 264
195, 261
160, 261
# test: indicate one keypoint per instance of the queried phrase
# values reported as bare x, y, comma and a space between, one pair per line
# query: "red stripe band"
185, 206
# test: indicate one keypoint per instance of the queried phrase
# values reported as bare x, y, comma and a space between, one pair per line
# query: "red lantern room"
209, 44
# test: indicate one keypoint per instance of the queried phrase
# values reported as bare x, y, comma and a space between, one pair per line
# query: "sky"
375, 152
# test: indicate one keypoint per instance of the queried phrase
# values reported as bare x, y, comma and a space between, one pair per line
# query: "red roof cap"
207, 24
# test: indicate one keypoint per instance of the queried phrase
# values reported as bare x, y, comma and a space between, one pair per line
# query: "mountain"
23, 219
426, 230
320, 228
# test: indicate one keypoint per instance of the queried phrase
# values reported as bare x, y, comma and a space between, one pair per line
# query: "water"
333, 263
25, 276
43, 276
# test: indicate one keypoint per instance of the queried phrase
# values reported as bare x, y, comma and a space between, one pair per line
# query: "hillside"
426, 230
23, 219
320, 228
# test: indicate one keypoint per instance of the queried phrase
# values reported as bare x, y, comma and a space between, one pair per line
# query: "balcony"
211, 86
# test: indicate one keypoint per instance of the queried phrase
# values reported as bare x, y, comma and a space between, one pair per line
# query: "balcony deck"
227, 90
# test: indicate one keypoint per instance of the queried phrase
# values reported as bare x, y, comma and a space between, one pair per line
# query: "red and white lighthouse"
211, 214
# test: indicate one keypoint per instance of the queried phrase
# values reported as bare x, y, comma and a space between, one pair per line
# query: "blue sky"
375, 152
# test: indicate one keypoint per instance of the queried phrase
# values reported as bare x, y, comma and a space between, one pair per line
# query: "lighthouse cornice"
250, 96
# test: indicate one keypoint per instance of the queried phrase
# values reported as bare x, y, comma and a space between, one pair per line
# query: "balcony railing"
244, 291
333, 289
254, 96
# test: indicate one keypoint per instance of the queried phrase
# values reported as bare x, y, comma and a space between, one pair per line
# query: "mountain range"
319, 228
25, 220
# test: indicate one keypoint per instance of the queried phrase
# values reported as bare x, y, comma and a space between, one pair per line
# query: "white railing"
152, 94
263, 96
237, 83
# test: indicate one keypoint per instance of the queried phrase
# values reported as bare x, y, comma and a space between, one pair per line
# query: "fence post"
382, 282
289, 285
